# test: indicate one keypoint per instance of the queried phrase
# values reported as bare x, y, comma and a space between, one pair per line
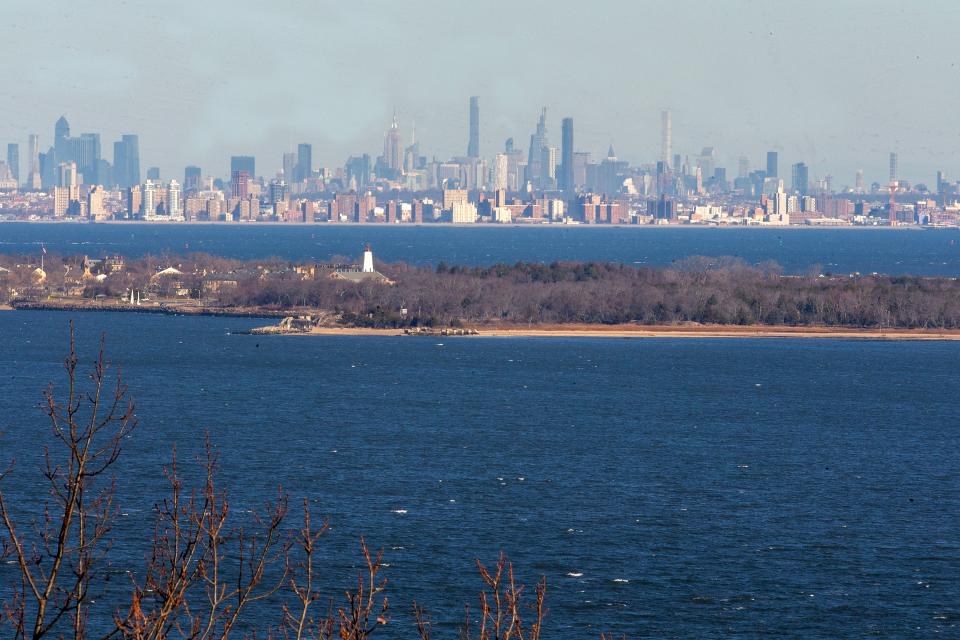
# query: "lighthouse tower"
367, 260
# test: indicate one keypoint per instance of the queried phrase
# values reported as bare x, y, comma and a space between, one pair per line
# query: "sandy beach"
661, 331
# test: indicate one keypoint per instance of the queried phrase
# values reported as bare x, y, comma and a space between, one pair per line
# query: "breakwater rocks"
162, 308
424, 331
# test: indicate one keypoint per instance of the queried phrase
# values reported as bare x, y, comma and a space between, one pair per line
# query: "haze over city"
836, 86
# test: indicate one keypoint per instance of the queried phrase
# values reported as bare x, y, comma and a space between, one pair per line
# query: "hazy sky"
837, 84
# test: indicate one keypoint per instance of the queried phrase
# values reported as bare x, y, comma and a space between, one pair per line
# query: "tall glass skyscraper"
473, 146
126, 161
304, 167
566, 182
13, 160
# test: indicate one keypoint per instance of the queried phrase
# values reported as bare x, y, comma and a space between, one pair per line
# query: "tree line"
724, 291
700, 290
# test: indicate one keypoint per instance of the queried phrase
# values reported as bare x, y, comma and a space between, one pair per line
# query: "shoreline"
659, 331
626, 331
444, 225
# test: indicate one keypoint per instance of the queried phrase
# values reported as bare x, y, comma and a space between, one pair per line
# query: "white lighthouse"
367, 259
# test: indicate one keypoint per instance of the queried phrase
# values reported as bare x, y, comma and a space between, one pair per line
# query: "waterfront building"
463, 213
148, 202
95, 207
452, 197
174, 200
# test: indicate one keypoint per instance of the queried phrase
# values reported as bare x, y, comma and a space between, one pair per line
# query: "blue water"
929, 252
740, 488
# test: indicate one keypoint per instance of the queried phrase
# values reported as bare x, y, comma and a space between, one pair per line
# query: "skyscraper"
538, 141
191, 179
243, 163
566, 182
473, 146
13, 160
33, 162
858, 181
291, 168
61, 140
174, 200
88, 157
393, 148
240, 183
894, 171
126, 161
304, 162
801, 178
666, 136
149, 201
772, 164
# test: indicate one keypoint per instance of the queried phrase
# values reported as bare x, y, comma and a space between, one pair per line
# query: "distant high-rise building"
743, 167
191, 179
358, 172
538, 141
772, 161
88, 157
291, 169
33, 162
501, 168
61, 141
894, 171
393, 148
13, 160
278, 191
666, 136
858, 181
566, 181
148, 200
244, 163
153, 173
941, 181
304, 162
67, 175
473, 146
801, 178
240, 183
126, 161
174, 200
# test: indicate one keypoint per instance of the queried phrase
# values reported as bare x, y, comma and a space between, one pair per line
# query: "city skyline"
783, 84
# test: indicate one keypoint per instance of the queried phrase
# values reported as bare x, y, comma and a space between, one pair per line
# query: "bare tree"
203, 571
59, 561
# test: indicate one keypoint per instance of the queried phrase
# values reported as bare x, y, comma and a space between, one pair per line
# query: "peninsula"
698, 297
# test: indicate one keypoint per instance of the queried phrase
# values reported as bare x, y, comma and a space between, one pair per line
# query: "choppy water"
898, 251
665, 488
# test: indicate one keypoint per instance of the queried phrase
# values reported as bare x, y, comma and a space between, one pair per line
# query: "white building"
464, 213
175, 200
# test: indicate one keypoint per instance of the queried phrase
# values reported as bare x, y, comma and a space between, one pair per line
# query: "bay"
665, 488
890, 251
